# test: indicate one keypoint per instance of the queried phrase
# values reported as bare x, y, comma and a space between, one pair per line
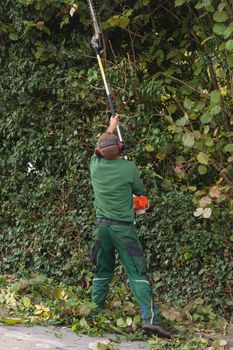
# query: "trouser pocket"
131, 243
135, 251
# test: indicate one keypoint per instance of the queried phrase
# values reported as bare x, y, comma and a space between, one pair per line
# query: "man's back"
114, 183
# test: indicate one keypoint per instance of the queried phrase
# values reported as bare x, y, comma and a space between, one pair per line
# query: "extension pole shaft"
109, 97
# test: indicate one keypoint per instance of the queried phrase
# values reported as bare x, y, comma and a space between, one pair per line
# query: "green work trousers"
124, 240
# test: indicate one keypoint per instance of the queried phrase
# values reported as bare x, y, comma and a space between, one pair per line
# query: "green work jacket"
114, 183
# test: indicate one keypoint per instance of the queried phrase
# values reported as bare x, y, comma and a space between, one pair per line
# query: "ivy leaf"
228, 31
216, 110
179, 2
228, 148
129, 321
84, 310
207, 213
121, 323
198, 212
205, 118
26, 302
149, 148
202, 170
104, 344
215, 96
182, 121
13, 36
219, 28
26, 2
172, 108
205, 201
199, 5
187, 256
229, 45
220, 16
209, 8
166, 184
188, 103
215, 192
188, 140
230, 61
120, 21
203, 158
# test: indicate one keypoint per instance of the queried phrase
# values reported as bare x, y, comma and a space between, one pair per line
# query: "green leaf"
166, 184
179, 2
228, 31
229, 45
12, 321
84, 310
182, 121
13, 36
188, 103
172, 108
219, 28
230, 61
202, 170
26, 302
188, 140
215, 96
205, 118
221, 6
187, 256
121, 323
26, 2
209, 8
203, 158
149, 148
199, 5
220, 16
216, 110
124, 21
228, 148
118, 21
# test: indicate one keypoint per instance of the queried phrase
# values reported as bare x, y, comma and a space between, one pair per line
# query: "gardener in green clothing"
115, 181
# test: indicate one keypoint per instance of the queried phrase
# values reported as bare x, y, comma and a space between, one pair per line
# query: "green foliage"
170, 68
40, 300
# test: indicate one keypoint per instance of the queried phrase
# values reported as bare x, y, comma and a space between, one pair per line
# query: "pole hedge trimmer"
140, 202
96, 42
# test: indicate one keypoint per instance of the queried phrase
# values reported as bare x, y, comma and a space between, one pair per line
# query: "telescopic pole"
96, 44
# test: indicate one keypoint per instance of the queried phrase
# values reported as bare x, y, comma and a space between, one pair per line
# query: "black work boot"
156, 329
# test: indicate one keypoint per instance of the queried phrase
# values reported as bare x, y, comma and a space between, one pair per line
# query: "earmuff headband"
107, 143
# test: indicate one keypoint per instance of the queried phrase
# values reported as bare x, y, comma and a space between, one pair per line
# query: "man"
115, 181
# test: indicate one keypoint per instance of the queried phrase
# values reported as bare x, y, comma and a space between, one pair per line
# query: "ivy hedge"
170, 77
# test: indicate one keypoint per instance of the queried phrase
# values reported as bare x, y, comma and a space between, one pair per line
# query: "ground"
21, 337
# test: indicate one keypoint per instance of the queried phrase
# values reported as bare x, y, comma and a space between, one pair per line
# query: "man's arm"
138, 187
114, 121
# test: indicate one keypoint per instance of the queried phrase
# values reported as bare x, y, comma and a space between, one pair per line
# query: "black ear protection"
107, 143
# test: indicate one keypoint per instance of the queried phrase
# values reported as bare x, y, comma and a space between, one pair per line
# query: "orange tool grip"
140, 203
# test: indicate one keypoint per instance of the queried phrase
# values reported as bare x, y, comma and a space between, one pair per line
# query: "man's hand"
114, 122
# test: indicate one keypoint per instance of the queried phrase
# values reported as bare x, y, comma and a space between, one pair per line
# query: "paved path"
20, 337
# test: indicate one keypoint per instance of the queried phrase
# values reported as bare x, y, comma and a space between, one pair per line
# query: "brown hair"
109, 152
